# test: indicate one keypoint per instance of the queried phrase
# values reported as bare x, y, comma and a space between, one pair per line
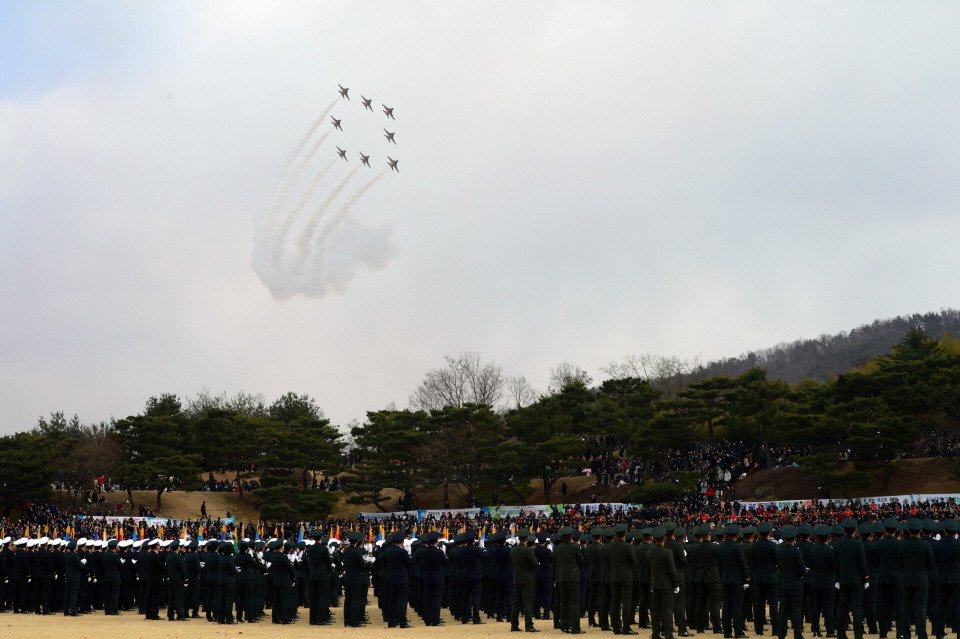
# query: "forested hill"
832, 354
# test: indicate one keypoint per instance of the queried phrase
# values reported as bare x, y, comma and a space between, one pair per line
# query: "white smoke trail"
344, 211
292, 177
303, 243
280, 234
300, 146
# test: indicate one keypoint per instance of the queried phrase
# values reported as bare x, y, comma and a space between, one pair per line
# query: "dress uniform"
317, 567
592, 553
676, 546
853, 578
664, 586
567, 560
704, 559
823, 565
916, 561
765, 582
356, 579
888, 579
177, 579
525, 565
623, 561
792, 571
398, 564
112, 574
734, 578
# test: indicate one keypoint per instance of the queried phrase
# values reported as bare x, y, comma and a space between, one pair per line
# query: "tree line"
477, 436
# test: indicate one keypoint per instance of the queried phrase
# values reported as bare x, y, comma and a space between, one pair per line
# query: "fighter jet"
344, 92
343, 154
388, 111
366, 102
336, 123
364, 159
393, 164
389, 136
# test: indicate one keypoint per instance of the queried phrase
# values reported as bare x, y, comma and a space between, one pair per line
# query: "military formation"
890, 579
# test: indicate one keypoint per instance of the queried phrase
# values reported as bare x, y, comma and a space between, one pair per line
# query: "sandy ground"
133, 626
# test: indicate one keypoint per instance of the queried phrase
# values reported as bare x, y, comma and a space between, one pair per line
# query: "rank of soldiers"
889, 578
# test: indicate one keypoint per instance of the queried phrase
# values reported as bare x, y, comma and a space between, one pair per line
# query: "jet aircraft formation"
367, 104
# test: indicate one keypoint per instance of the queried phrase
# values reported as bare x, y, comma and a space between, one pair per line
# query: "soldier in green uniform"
704, 559
675, 546
765, 583
916, 561
947, 556
642, 597
888, 586
852, 577
603, 612
664, 586
592, 553
623, 561
792, 571
734, 581
567, 560
823, 565
524, 570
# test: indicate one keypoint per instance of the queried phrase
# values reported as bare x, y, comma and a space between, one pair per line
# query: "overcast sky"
579, 181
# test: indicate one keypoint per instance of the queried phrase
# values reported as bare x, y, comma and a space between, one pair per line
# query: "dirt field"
133, 626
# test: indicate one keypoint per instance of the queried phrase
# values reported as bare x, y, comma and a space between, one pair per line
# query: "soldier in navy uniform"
112, 571
318, 566
398, 564
432, 565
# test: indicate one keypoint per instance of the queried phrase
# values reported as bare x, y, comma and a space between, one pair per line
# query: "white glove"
83, 561
29, 579
269, 563
676, 590
55, 577
202, 564
260, 555
745, 586
123, 561
837, 585
134, 560
866, 586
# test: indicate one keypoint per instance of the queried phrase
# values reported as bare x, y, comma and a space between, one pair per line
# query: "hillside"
827, 355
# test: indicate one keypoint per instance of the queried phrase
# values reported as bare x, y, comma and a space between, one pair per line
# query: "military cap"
555, 538
396, 536
193, 545
951, 525
333, 542
577, 536
876, 528
596, 531
525, 532
542, 537
732, 529
646, 532
289, 545
355, 535
620, 528
821, 530
273, 544
212, 543
531, 539
864, 528
788, 532
659, 532
469, 536
435, 536
71, 544
836, 529
152, 542
805, 529
175, 543
634, 535
890, 523
301, 545
702, 529
113, 543
316, 532
566, 530
165, 543
764, 528
929, 525
716, 533
226, 545
6, 540
680, 532
749, 530
670, 526
43, 541
914, 525
609, 532
848, 523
